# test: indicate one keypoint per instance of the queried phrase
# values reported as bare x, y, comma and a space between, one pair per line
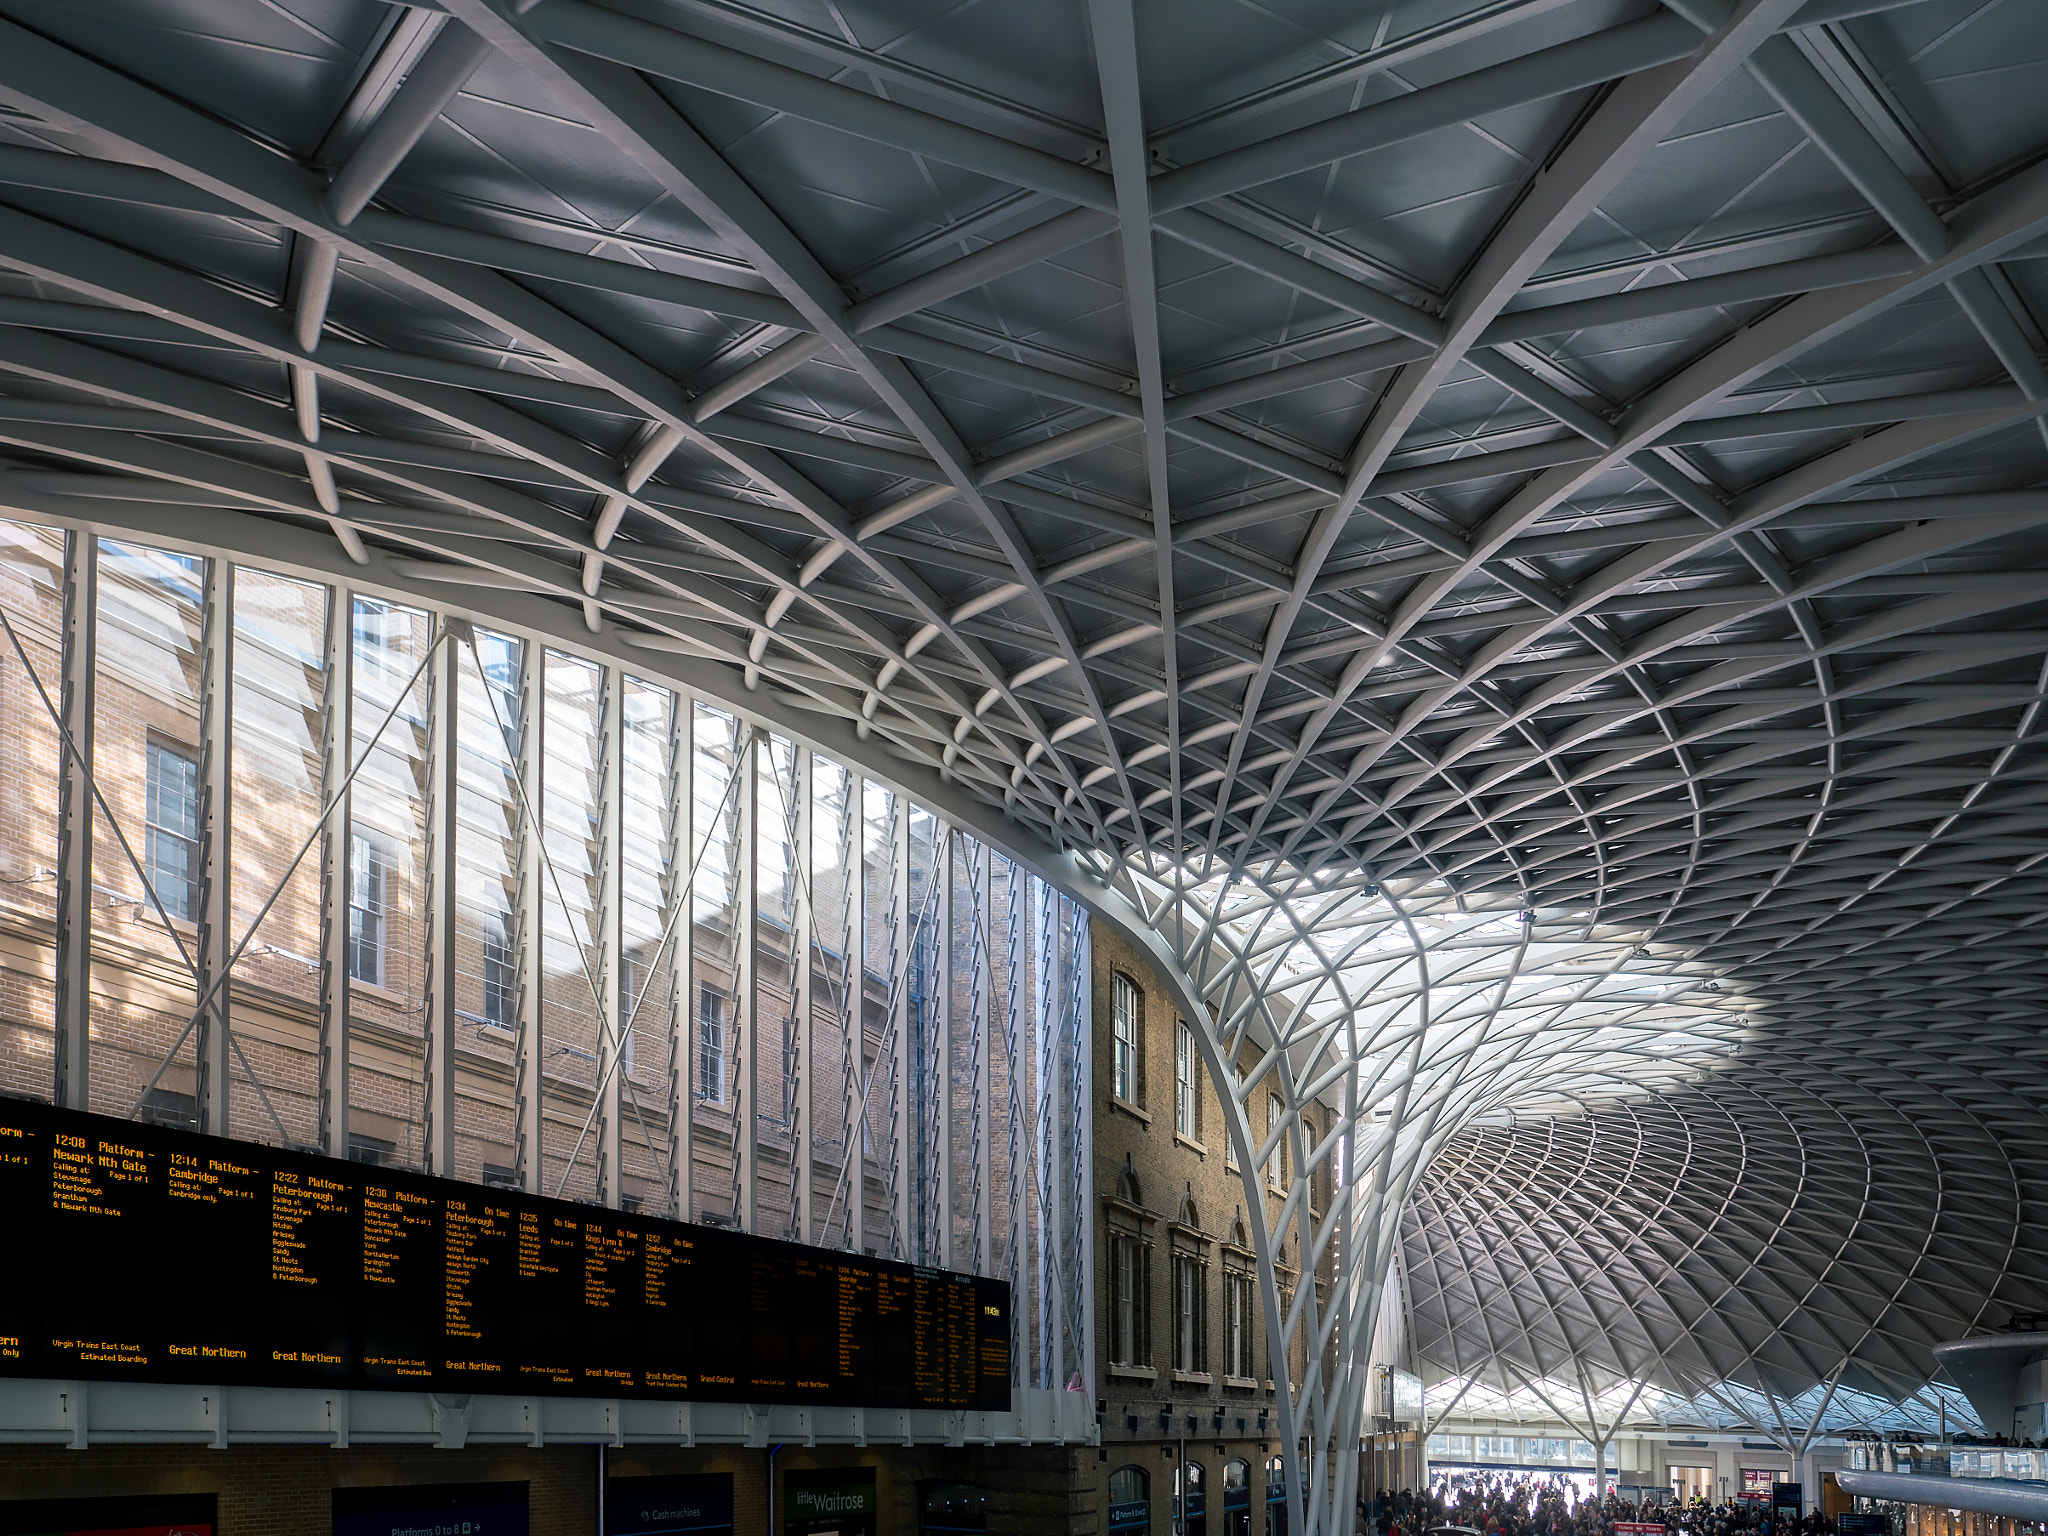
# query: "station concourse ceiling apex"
1582, 456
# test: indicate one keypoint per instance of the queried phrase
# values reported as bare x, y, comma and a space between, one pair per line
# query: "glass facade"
467, 901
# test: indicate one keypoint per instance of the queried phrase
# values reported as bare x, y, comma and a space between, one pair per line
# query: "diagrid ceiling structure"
1577, 456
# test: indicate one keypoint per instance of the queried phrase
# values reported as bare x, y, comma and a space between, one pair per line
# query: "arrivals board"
136, 1253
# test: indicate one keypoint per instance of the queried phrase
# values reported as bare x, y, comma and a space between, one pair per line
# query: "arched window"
1276, 1496
1237, 1498
1194, 1511
1130, 1281
1126, 1072
1130, 1496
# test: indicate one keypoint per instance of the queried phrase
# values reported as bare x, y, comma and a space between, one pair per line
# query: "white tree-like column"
1352, 1028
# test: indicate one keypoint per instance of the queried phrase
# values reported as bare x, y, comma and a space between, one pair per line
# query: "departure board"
138, 1253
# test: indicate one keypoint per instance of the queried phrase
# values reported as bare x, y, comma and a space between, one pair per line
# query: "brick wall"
1189, 1201
146, 690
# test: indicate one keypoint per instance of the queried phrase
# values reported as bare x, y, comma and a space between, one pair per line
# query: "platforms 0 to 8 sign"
154, 1255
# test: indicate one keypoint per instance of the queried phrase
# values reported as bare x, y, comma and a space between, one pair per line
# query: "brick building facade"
146, 752
1183, 1363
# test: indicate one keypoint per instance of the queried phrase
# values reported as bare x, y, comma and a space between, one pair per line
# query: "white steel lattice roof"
1408, 463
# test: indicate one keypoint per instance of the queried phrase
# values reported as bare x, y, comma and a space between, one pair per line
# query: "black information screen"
143, 1254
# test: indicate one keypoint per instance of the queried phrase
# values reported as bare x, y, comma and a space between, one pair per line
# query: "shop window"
1237, 1498
1193, 1498
1126, 1080
1130, 1499
1276, 1496
1130, 1279
1190, 1323
171, 851
1761, 1479
829, 1501
951, 1507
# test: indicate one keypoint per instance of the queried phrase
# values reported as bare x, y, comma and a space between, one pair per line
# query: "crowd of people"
1501, 1504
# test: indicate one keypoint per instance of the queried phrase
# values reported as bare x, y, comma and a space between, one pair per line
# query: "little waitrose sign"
843, 1499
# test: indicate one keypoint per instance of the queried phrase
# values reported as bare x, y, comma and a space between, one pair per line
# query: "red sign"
1639, 1527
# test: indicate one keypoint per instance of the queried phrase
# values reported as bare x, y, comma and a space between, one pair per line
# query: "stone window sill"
377, 993
1134, 1372
1193, 1379
1191, 1144
1242, 1383
1130, 1109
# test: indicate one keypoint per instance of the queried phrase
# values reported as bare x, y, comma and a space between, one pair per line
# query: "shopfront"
1130, 1500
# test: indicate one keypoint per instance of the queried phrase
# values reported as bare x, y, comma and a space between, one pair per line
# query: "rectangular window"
1125, 1072
164, 1106
1237, 1323
711, 1045
1184, 1119
373, 625
367, 882
1129, 1278
1276, 1163
498, 998
628, 995
1190, 1336
172, 821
